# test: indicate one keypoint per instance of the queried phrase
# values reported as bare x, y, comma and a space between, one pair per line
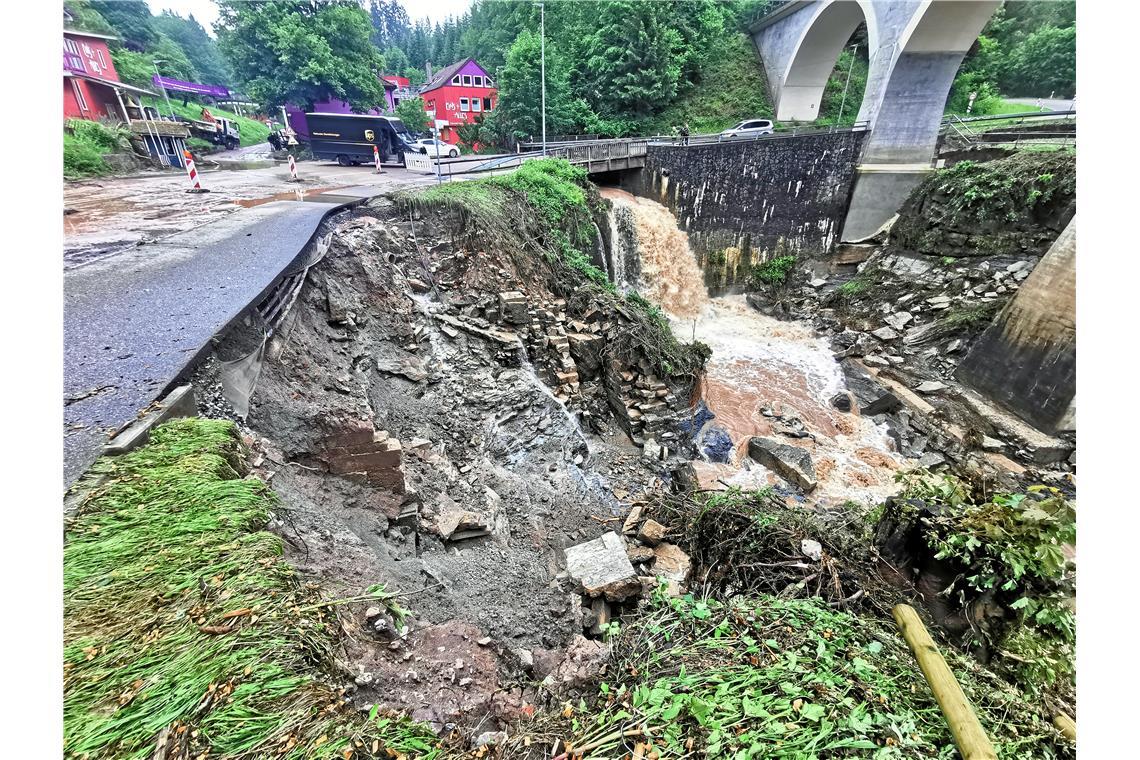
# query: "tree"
395, 60
411, 112
630, 59
1045, 62
519, 109
131, 20
199, 47
87, 19
301, 52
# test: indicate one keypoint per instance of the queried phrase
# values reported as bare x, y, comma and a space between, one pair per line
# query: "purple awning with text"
213, 90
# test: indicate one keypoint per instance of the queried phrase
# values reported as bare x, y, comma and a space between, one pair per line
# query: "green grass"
253, 132
180, 614
85, 142
733, 88
776, 678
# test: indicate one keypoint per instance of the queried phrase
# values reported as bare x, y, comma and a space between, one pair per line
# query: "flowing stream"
764, 374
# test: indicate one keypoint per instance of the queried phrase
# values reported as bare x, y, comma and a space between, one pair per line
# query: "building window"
476, 105
102, 60
478, 80
466, 80
455, 79
464, 105
489, 82
71, 57
79, 95
487, 104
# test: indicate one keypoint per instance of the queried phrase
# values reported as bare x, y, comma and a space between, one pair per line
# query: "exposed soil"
371, 341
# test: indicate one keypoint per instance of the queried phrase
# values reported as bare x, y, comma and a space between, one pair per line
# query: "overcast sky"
207, 13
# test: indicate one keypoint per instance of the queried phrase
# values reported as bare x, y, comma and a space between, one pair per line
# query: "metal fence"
1044, 128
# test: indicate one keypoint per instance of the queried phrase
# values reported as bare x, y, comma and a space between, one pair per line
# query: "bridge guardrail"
701, 139
1035, 127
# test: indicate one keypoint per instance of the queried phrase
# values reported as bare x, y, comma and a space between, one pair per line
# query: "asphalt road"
134, 321
104, 216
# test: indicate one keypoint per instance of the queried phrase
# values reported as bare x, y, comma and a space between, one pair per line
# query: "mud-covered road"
102, 216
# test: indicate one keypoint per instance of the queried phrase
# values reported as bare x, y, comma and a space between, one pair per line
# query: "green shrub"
774, 272
81, 159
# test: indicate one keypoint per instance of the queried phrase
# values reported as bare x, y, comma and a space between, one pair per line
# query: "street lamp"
843, 101
165, 96
542, 45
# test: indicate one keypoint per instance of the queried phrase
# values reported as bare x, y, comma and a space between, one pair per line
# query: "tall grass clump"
185, 627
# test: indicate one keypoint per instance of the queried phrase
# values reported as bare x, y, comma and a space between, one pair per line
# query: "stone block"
602, 568
652, 532
791, 463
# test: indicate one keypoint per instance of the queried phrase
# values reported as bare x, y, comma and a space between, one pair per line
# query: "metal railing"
782, 131
1031, 128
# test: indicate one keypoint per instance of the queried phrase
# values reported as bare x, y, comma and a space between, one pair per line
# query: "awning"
109, 83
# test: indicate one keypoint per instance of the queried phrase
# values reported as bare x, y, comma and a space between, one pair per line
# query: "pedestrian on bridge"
685, 133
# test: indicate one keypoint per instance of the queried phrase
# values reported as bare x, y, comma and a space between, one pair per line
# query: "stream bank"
490, 454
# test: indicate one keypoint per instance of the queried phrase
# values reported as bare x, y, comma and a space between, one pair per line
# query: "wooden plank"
969, 736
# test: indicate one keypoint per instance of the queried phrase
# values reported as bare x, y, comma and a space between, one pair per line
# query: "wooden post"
971, 739
1066, 725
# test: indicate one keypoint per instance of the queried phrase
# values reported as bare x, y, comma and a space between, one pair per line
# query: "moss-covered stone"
1012, 205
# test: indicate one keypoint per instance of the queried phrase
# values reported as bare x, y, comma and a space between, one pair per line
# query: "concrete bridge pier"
914, 51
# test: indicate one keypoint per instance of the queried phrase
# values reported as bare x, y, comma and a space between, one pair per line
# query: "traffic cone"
193, 172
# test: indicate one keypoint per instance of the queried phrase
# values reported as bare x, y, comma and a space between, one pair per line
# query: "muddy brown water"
761, 368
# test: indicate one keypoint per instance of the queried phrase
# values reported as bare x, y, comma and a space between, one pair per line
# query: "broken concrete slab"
602, 568
582, 664
178, 403
791, 463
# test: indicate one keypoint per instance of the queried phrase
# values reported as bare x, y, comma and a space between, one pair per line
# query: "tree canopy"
299, 52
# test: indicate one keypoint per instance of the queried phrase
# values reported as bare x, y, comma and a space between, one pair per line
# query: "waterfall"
766, 377
669, 275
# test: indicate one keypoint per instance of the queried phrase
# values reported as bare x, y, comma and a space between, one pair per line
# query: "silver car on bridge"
750, 128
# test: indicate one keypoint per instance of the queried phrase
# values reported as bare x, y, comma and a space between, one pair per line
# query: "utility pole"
542, 45
164, 93
843, 100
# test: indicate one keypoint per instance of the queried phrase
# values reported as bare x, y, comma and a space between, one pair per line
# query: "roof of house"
395, 79
109, 82
444, 75
81, 33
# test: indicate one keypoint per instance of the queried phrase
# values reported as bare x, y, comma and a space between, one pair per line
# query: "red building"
91, 86
459, 94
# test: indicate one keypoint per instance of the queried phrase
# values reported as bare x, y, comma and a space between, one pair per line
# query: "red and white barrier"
193, 173
293, 168
376, 158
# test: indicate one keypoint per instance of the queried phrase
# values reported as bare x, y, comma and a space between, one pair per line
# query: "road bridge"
914, 51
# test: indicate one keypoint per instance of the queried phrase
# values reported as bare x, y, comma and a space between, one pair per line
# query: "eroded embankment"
474, 441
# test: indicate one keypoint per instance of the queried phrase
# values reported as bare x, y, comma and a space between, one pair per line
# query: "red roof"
397, 80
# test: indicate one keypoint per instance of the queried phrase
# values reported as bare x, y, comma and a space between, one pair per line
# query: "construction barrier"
193, 172
376, 158
293, 168
418, 162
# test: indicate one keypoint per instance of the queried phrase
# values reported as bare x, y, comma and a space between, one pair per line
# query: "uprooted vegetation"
999, 567
766, 676
185, 632
792, 655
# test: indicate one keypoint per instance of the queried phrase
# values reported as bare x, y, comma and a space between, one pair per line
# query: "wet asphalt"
135, 321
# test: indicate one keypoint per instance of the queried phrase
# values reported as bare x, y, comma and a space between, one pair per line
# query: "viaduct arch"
915, 49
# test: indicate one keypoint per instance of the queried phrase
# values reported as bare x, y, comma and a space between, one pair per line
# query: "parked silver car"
750, 128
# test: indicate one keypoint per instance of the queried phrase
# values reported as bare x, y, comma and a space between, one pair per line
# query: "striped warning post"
193, 172
376, 158
293, 168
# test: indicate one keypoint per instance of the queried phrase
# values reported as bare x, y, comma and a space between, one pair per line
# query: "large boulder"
791, 463
602, 568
